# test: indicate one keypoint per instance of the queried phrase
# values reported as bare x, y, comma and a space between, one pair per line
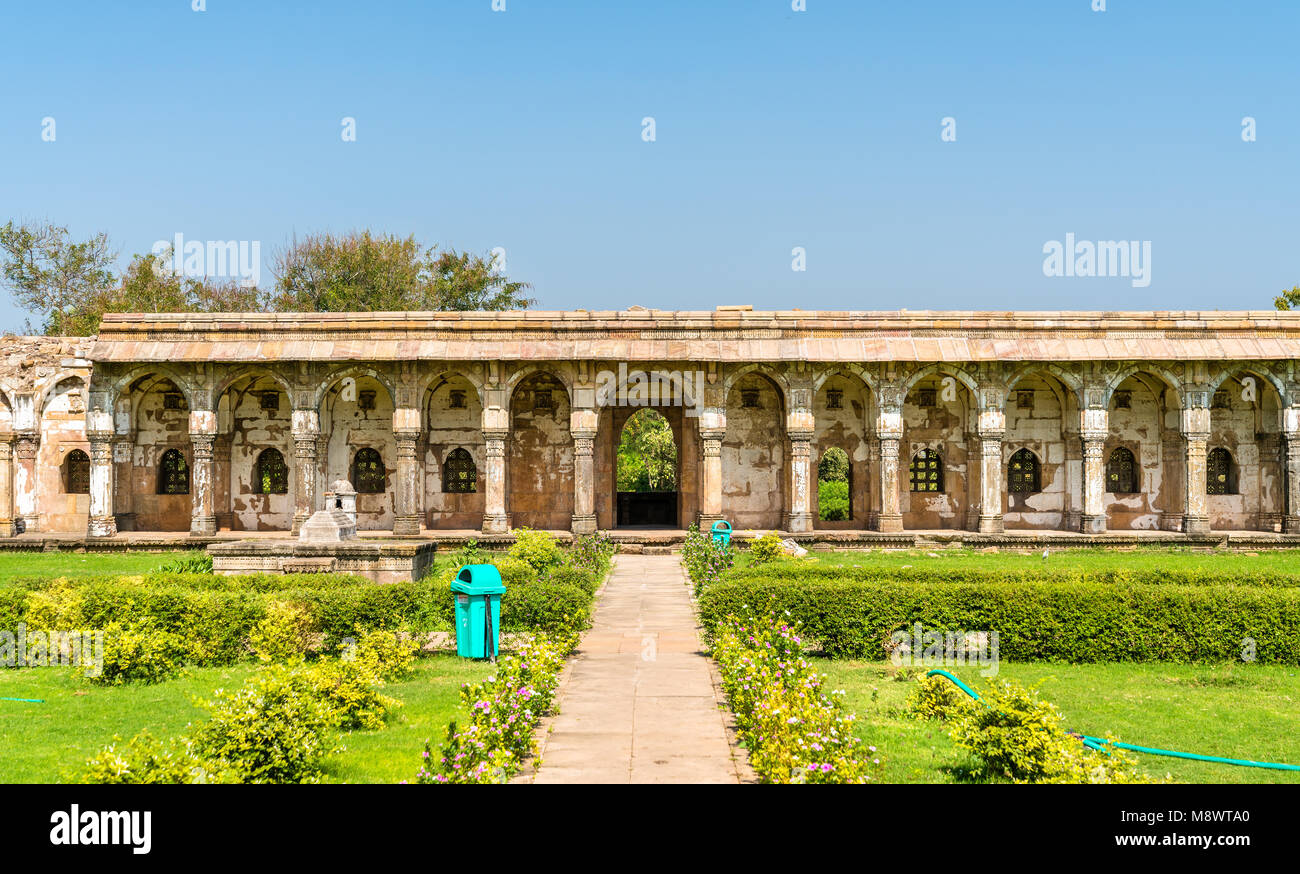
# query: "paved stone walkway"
639, 705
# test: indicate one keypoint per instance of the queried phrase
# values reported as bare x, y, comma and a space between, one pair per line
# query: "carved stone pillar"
26, 445
102, 522
992, 427
203, 430
711, 477
1094, 428
889, 428
1291, 429
6, 485
406, 520
1196, 434
583, 423
800, 517
306, 465
495, 520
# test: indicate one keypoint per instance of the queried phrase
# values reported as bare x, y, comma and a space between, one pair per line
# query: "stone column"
710, 477
1094, 428
99, 431
6, 485
26, 445
800, 517
496, 428
306, 434
992, 427
203, 432
582, 425
1291, 430
406, 520
889, 428
1196, 434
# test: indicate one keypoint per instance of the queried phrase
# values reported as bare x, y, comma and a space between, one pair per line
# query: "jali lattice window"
1220, 476
1024, 473
173, 474
1024, 400
1123, 400
1121, 472
270, 400
459, 475
173, 400
749, 398
368, 472
457, 399
365, 400
927, 471
834, 399
272, 473
543, 400
925, 397
1220, 401
78, 473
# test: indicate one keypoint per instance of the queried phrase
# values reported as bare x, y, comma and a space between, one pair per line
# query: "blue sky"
774, 129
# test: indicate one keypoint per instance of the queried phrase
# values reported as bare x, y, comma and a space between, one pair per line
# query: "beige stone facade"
453, 421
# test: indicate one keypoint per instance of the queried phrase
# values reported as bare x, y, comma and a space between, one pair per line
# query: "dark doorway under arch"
647, 471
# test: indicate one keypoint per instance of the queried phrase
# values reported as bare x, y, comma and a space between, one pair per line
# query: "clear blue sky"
775, 129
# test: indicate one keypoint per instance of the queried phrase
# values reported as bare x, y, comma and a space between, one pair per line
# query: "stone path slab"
639, 703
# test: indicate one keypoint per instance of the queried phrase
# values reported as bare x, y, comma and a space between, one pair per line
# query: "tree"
1288, 299
362, 272
151, 286
54, 278
647, 455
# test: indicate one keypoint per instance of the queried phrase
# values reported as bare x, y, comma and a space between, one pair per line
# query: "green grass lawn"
80, 564
50, 742
1099, 559
1234, 710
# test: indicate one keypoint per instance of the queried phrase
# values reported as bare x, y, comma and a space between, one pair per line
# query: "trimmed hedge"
802, 571
214, 615
1061, 621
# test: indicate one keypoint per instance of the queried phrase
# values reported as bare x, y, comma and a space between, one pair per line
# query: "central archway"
647, 471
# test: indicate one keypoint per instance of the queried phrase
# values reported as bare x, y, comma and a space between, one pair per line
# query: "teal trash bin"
721, 532
478, 590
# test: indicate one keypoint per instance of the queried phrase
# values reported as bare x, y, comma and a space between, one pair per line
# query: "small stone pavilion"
977, 422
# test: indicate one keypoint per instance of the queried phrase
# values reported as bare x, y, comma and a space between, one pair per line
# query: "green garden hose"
26, 700
1099, 744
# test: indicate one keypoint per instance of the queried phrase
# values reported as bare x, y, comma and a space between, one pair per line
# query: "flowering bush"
1020, 736
536, 548
284, 635
767, 548
593, 552
139, 652
704, 558
504, 711
144, 760
794, 730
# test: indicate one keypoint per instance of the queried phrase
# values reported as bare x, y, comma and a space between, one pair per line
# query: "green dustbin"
721, 532
478, 590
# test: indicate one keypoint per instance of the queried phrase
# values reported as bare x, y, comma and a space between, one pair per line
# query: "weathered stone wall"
539, 455
754, 454
156, 430
453, 420
943, 428
247, 430
1139, 428
348, 428
1039, 427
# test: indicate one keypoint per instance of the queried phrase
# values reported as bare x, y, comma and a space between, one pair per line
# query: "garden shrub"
139, 652
794, 731
579, 578
275, 728
144, 759
350, 687
547, 607
766, 548
390, 655
283, 635
594, 553
705, 559
536, 548
833, 500
514, 572
504, 711
1077, 622
936, 697
1013, 733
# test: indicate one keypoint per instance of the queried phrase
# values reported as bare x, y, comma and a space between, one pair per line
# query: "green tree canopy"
54, 277
362, 272
1288, 300
647, 455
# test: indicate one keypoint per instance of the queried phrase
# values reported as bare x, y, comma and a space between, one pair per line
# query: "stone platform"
384, 561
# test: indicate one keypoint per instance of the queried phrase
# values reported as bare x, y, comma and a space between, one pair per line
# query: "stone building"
452, 421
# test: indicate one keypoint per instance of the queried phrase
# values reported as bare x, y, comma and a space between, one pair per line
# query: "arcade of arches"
798, 421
